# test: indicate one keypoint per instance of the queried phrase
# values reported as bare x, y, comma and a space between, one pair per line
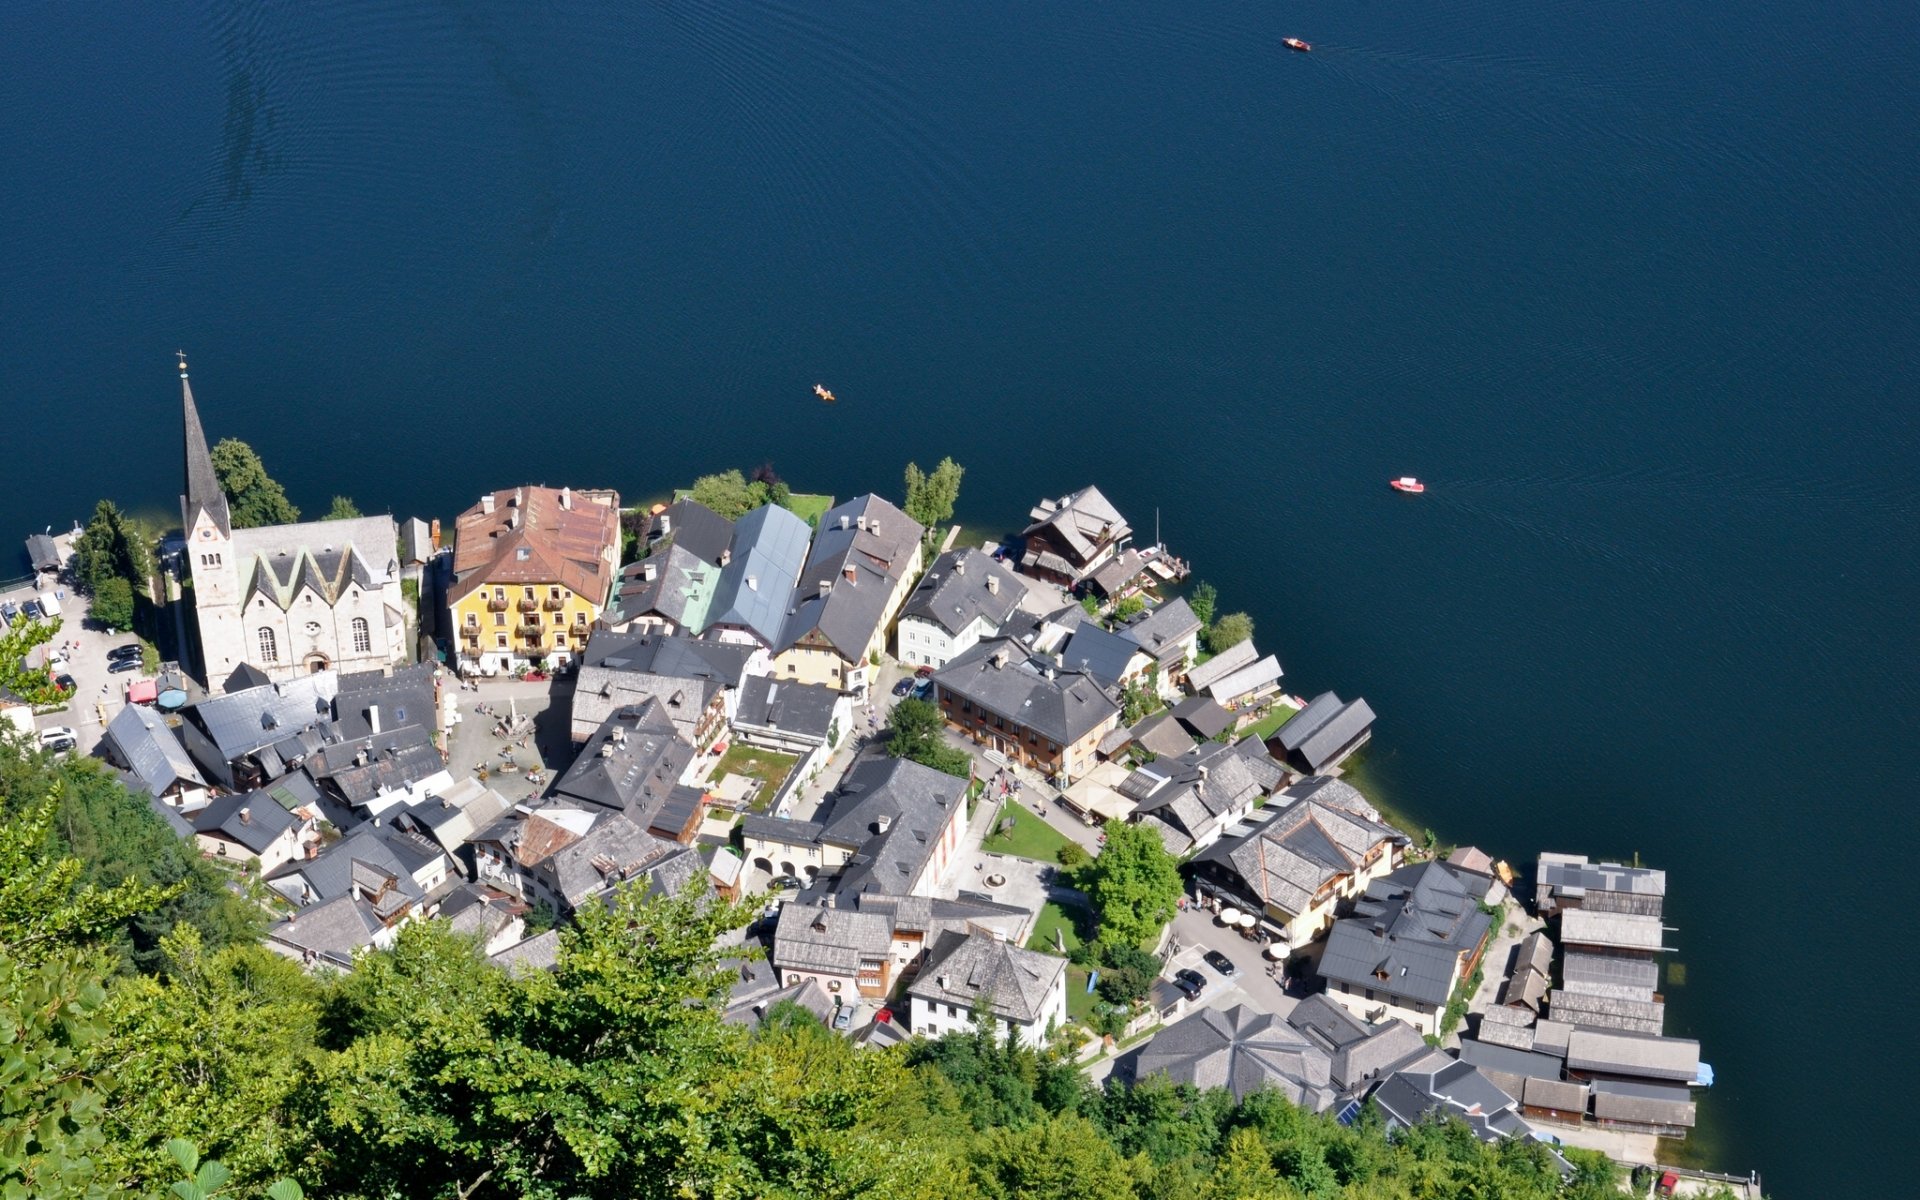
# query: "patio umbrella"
1229, 916
1248, 920
1276, 950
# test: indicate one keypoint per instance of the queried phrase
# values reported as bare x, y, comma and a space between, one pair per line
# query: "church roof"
203, 486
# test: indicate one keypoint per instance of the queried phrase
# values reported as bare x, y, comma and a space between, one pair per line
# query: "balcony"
554, 603
531, 629
496, 604
528, 604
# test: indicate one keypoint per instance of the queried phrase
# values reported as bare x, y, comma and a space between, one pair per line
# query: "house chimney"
993, 585
848, 571
246, 814
863, 522
519, 496
959, 566
649, 572
882, 823
1049, 674
726, 556
753, 583
486, 504
566, 497
373, 717
666, 524
844, 519
873, 527
826, 585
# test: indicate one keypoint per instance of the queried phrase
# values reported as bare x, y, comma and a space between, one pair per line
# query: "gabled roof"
798, 709
614, 851
1575, 877
403, 698
1081, 522
1618, 931
538, 535
1204, 717
1247, 680
376, 863
1315, 839
862, 550
756, 585
1161, 734
1319, 732
458, 813
832, 940
151, 750
1617, 1052
1607, 1012
955, 593
252, 819
1407, 934
622, 670
364, 769
333, 930
1108, 657
241, 722
1243, 1051
43, 551
999, 675
963, 969
892, 811
1221, 665
672, 583
630, 763
1164, 630
327, 558
1455, 1090
693, 527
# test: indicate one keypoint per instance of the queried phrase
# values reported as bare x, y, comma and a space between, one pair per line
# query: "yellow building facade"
533, 569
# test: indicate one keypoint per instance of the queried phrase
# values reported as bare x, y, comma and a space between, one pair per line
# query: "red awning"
146, 691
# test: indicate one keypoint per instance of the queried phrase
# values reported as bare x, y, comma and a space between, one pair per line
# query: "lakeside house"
1194, 797
1565, 881
1413, 936
1024, 708
670, 591
750, 602
694, 528
1323, 735
866, 556
967, 595
533, 568
1315, 846
1069, 539
1170, 635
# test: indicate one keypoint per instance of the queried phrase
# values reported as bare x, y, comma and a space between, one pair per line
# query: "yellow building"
532, 570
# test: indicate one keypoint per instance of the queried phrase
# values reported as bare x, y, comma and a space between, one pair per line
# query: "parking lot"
98, 694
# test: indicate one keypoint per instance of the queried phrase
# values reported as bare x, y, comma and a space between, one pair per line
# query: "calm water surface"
1635, 288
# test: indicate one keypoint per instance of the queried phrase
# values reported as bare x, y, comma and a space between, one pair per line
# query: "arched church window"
362, 636
269, 645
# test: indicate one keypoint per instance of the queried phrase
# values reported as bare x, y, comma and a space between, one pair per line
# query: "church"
287, 599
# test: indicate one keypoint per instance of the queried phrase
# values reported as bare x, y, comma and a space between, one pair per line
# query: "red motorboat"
1295, 44
1407, 483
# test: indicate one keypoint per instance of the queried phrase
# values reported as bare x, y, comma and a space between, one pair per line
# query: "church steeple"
203, 486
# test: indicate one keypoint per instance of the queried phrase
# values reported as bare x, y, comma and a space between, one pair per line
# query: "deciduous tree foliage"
344, 509
931, 496
110, 548
1134, 884
914, 733
253, 497
1230, 630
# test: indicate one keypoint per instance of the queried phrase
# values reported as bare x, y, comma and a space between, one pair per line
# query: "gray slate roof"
1203, 716
1254, 677
1642, 1103
1608, 975
673, 583
1243, 1051
455, 815
614, 851
1063, 708
830, 940
1639, 889
862, 550
1607, 1012
694, 528
1221, 665
253, 819
541, 952
151, 750
756, 585
402, 698
1322, 832
914, 802
1317, 734
374, 862
954, 592
1455, 1090
1101, 654
798, 709
1163, 632
1081, 522
395, 759
1160, 733
1411, 926
1617, 1052
630, 763
964, 968
331, 930
1194, 791
241, 722
620, 670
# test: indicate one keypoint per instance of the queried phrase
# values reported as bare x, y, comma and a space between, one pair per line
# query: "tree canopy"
1203, 600
253, 496
1134, 884
913, 732
110, 548
931, 495
1230, 630
344, 509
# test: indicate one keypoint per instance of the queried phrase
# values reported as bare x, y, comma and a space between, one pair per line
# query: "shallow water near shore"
1636, 291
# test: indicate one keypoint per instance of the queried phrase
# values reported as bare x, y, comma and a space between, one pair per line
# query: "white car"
59, 737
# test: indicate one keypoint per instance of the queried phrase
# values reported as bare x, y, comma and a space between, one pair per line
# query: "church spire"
203, 486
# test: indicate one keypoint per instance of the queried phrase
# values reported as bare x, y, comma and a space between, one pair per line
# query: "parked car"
843, 1018
9, 610
923, 689
1190, 981
903, 687
32, 609
59, 737
64, 682
130, 650
925, 672
123, 664
1220, 963
786, 883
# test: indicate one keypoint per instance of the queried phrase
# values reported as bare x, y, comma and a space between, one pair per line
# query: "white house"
1023, 991
965, 597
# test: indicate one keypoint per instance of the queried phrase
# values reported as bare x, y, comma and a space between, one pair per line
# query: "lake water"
1636, 289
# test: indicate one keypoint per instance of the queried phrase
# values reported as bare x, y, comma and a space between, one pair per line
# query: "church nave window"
362, 636
269, 645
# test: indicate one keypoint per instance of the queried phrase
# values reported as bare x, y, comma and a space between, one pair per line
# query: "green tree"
1134, 885
1129, 607
1230, 630
113, 603
1064, 1158
913, 733
1203, 600
253, 496
931, 496
1137, 701
109, 548
728, 493
344, 509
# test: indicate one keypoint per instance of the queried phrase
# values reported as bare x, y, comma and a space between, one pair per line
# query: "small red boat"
1295, 44
820, 390
1407, 483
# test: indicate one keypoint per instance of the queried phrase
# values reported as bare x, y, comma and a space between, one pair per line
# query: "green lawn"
768, 766
1031, 836
1080, 1001
1281, 714
809, 506
1074, 923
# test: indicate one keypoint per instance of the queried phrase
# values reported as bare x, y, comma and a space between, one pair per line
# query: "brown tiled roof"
531, 536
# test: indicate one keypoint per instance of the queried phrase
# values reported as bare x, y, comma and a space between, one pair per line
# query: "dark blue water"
1636, 287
